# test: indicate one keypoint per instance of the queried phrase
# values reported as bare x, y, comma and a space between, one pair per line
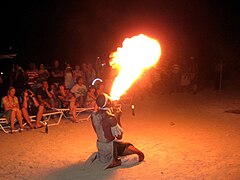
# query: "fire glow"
136, 55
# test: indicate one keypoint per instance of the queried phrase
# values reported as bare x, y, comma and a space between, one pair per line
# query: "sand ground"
183, 136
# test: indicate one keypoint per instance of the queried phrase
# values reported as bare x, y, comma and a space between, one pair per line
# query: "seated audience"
79, 90
67, 101
31, 107
100, 89
77, 73
44, 95
54, 92
12, 109
90, 101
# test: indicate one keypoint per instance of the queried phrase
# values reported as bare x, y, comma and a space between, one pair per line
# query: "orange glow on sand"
136, 55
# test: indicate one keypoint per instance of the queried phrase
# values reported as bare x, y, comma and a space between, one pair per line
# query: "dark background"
79, 31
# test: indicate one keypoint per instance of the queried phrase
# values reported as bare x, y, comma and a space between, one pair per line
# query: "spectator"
32, 77
12, 109
90, 74
79, 90
44, 96
84, 73
57, 74
77, 73
100, 89
54, 92
31, 107
43, 75
98, 67
90, 101
68, 77
19, 79
67, 101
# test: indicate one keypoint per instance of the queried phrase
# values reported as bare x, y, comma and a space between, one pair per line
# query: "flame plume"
136, 55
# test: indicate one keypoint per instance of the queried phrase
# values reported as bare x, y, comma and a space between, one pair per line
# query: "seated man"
12, 109
90, 101
109, 133
79, 90
31, 107
44, 95
67, 100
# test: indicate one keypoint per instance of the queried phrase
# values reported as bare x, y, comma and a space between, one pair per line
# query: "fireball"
136, 55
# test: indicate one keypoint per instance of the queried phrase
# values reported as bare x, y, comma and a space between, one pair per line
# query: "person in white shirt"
79, 90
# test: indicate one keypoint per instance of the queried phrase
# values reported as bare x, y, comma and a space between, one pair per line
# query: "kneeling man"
109, 133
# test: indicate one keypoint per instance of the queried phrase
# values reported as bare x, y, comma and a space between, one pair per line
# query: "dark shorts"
120, 147
7, 115
33, 111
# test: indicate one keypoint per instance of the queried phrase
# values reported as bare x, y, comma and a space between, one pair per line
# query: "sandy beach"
183, 136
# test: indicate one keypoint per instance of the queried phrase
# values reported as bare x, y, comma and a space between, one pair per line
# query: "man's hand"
47, 105
25, 93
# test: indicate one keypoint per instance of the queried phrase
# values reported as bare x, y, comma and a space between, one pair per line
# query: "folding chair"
81, 110
4, 125
64, 111
48, 115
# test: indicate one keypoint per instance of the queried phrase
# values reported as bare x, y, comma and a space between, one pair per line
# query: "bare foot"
39, 126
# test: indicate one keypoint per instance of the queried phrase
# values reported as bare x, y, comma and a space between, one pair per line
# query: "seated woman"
12, 109
31, 107
67, 100
90, 101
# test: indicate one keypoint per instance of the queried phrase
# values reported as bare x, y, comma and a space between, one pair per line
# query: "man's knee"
41, 107
24, 109
141, 156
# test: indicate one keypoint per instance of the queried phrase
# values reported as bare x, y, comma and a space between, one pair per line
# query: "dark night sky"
77, 31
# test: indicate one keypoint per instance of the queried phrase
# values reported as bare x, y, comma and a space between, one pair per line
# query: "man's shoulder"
75, 86
4, 98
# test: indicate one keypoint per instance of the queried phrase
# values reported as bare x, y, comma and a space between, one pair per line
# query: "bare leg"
73, 108
52, 103
26, 116
81, 101
133, 150
116, 161
12, 119
39, 116
19, 118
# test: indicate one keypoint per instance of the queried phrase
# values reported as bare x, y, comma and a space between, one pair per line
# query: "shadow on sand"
81, 170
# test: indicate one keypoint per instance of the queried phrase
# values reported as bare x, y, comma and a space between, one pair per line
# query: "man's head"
80, 80
104, 101
56, 63
45, 84
32, 66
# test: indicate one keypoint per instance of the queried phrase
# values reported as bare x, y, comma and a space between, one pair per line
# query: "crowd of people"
34, 91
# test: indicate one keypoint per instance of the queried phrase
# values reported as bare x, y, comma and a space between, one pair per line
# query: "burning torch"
133, 110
